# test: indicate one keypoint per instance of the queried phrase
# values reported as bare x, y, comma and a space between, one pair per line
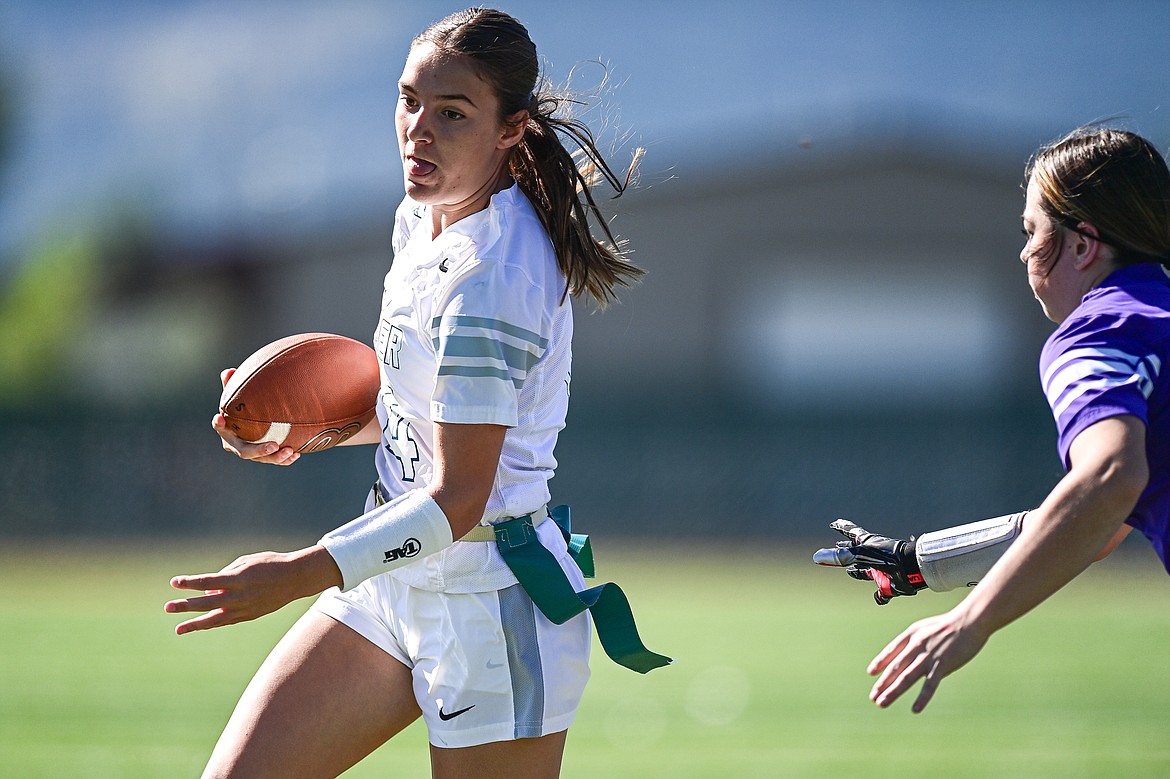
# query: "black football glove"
887, 562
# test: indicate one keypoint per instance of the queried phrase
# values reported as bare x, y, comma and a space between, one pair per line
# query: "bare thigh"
525, 758
324, 699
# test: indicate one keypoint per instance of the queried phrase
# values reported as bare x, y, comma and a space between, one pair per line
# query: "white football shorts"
487, 666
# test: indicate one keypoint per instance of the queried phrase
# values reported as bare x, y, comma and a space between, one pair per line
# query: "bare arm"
370, 434
1080, 517
466, 460
1114, 542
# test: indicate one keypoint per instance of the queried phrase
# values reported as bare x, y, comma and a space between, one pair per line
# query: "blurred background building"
835, 322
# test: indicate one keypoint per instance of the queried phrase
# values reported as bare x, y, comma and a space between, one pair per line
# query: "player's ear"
512, 129
1086, 245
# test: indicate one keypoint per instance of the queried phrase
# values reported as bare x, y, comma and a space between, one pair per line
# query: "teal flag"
545, 582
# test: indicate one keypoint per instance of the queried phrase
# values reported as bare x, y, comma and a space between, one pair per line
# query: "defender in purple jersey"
1097, 221
1109, 358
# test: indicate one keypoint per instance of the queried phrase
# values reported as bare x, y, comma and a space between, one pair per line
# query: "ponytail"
560, 185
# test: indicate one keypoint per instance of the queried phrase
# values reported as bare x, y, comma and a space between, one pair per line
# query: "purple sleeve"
1092, 369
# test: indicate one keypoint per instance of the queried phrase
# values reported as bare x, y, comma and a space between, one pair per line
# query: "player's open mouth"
417, 167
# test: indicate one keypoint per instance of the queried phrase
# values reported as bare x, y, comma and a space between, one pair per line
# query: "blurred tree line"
56, 283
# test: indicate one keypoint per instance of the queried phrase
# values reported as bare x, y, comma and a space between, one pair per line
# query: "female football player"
1097, 221
422, 612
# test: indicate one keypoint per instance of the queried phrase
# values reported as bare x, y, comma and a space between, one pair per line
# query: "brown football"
309, 391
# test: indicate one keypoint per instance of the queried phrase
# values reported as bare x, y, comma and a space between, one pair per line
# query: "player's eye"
452, 114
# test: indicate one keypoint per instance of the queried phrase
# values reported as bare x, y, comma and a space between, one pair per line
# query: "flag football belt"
477, 533
541, 576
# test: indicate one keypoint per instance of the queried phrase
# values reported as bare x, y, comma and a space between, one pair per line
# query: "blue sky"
256, 115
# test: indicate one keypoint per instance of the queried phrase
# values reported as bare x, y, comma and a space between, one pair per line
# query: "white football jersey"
475, 328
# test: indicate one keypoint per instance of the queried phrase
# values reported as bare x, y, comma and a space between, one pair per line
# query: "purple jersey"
1110, 358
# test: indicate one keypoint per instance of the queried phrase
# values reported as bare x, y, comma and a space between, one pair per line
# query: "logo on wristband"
410, 547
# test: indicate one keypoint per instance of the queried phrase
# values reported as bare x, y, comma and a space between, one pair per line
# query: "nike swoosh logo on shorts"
445, 716
493, 666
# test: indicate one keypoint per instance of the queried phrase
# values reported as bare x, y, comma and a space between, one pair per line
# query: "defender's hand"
887, 562
930, 649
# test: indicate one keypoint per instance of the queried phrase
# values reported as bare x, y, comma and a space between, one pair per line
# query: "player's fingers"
858, 572
207, 621
209, 601
247, 451
837, 556
219, 612
853, 532
885, 585
182, 606
226, 375
207, 582
844, 527
898, 677
883, 658
929, 687
219, 425
892, 670
284, 456
270, 455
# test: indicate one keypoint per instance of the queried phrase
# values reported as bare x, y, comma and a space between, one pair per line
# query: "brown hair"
549, 175
1113, 179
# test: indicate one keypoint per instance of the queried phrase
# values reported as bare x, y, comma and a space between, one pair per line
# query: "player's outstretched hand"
252, 586
887, 562
262, 453
930, 649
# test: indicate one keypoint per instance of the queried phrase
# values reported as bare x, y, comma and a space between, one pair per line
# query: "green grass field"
769, 677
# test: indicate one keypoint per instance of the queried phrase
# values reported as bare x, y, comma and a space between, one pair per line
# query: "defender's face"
1051, 271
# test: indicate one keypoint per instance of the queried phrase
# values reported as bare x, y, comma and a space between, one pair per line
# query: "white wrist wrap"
961, 556
390, 536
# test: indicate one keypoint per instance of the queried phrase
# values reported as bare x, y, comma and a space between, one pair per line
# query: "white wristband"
410, 527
